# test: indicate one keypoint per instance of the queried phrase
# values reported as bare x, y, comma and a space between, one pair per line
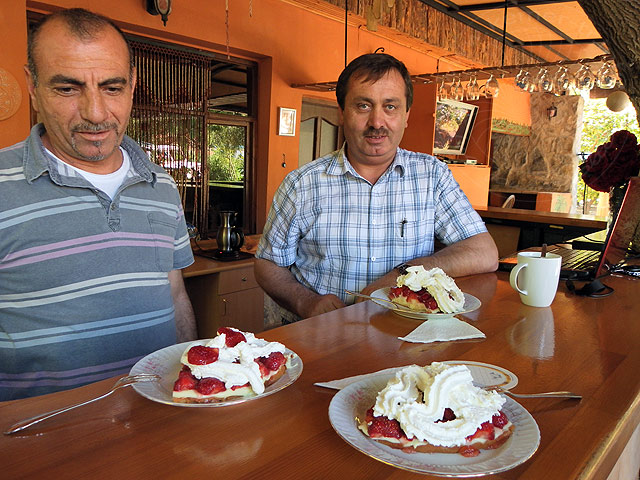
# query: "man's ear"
406, 123
340, 116
31, 87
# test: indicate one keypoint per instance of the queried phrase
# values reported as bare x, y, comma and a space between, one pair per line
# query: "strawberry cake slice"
429, 291
231, 365
437, 409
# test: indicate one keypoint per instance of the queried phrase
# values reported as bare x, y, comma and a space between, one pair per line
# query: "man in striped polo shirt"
92, 234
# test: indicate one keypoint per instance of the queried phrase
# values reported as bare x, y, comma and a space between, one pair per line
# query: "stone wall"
545, 161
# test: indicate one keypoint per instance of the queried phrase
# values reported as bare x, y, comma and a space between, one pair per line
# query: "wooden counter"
224, 293
587, 345
518, 229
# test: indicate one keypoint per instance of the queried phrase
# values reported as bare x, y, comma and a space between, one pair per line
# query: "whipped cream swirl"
442, 288
418, 396
235, 365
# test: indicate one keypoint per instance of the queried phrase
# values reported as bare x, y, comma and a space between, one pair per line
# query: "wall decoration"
10, 94
502, 125
287, 122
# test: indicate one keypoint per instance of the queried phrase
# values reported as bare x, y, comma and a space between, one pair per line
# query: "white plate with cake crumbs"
471, 304
354, 400
166, 363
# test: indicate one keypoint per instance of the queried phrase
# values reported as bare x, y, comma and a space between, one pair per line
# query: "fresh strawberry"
499, 420
210, 385
235, 387
368, 418
486, 430
232, 337
185, 381
384, 427
468, 451
274, 361
201, 355
264, 371
448, 415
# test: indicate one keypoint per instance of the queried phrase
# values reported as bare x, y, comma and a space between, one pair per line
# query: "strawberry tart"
429, 291
437, 409
231, 365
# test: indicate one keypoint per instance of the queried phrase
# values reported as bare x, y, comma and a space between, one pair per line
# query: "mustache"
94, 127
376, 132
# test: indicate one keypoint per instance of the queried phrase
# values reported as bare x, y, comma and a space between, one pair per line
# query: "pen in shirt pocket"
402, 224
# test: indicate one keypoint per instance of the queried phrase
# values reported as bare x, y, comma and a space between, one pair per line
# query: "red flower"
613, 163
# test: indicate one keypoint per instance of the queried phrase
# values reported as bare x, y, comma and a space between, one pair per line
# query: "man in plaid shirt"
345, 221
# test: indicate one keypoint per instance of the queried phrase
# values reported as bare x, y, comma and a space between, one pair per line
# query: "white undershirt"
108, 183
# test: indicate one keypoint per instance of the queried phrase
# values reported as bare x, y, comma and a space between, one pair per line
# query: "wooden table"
587, 345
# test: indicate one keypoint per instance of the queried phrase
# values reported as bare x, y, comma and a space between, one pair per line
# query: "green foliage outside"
226, 153
599, 123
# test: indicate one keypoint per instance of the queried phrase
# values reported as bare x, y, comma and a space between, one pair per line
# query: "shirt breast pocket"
163, 231
413, 235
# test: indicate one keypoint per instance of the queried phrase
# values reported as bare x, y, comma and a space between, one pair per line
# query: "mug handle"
513, 278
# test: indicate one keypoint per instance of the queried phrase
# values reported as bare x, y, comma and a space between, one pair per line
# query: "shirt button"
373, 222
373, 259
113, 206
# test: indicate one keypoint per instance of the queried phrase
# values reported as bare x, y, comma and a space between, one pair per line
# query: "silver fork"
122, 382
560, 394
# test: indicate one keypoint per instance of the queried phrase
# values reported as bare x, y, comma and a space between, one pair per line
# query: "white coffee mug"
535, 278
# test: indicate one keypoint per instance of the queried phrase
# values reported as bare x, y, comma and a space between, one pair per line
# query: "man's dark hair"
85, 25
371, 67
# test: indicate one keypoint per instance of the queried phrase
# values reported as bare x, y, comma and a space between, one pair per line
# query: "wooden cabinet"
229, 298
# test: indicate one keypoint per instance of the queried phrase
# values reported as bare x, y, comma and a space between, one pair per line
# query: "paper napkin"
343, 382
443, 330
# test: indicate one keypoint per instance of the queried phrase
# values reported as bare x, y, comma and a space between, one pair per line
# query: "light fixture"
160, 7
552, 111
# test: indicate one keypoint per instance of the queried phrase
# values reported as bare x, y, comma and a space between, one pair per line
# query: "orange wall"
290, 45
512, 103
13, 33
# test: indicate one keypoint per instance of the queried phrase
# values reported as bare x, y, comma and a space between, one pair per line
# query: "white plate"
166, 364
487, 375
471, 303
354, 400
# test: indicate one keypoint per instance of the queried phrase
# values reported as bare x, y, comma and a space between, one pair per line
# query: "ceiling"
549, 30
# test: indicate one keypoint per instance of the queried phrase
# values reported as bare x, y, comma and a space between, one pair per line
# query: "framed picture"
287, 121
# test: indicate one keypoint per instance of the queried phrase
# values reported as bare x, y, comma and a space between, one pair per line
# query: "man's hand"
286, 291
322, 304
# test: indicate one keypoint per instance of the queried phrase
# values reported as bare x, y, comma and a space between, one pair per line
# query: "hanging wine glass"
492, 87
443, 90
522, 79
585, 79
543, 81
561, 81
473, 89
606, 77
457, 90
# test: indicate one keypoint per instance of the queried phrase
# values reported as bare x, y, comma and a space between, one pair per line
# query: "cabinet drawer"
236, 280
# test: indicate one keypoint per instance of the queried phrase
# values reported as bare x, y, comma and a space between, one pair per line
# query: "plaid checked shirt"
336, 231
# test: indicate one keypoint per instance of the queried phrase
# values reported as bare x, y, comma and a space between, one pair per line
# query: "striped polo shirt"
84, 289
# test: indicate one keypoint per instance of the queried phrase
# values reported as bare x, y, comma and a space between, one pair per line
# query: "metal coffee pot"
229, 237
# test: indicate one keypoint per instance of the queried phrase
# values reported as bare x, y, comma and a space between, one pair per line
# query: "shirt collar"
340, 165
36, 162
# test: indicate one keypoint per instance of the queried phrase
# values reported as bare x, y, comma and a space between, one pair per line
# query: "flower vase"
616, 195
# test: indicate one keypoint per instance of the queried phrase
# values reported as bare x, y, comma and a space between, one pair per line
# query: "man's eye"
392, 107
65, 90
363, 106
114, 90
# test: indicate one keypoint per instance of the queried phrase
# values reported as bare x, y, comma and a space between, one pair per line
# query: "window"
194, 114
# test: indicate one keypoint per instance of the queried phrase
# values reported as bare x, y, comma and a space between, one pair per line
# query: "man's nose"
93, 107
376, 117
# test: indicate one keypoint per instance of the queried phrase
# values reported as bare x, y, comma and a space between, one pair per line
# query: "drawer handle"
224, 302
244, 279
